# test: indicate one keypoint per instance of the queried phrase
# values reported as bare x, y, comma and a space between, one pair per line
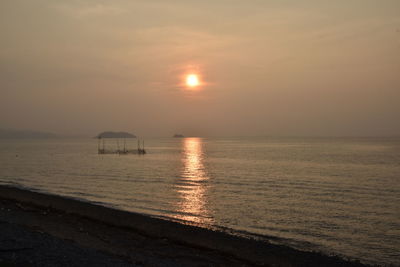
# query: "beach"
86, 233
199, 133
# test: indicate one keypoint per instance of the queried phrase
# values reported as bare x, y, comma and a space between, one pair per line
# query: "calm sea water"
335, 195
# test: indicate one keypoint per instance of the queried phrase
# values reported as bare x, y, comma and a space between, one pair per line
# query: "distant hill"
115, 135
12, 133
178, 136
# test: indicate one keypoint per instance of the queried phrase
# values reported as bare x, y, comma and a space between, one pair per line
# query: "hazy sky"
267, 67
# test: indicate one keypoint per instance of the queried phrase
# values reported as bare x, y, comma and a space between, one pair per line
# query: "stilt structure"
102, 150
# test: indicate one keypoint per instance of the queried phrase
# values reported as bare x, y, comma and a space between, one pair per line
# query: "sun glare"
192, 80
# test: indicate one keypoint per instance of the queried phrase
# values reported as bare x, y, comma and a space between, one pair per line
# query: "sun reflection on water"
192, 185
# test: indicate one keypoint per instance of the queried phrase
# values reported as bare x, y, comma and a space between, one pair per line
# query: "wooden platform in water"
138, 151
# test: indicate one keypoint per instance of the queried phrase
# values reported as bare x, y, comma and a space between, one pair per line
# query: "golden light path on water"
192, 185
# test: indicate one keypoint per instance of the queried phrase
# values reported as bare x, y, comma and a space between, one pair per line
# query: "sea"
338, 196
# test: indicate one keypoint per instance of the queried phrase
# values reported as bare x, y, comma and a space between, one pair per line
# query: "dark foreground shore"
46, 230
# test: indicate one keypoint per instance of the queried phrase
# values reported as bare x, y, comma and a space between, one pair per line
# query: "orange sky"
265, 67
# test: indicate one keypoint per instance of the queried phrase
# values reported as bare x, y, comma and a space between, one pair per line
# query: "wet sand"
82, 233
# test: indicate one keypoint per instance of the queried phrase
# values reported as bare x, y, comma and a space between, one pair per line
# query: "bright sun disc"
192, 80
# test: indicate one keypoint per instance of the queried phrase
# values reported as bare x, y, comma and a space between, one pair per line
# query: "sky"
317, 68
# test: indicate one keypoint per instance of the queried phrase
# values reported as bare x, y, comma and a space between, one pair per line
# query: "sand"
46, 230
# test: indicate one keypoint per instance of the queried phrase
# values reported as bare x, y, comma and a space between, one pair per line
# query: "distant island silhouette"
109, 134
12, 133
178, 136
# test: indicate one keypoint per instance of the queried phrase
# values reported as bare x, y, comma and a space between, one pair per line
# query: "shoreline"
103, 227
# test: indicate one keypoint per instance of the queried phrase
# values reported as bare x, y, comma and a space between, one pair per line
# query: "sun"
192, 80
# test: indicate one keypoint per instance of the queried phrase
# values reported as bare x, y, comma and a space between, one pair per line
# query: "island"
178, 136
115, 135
